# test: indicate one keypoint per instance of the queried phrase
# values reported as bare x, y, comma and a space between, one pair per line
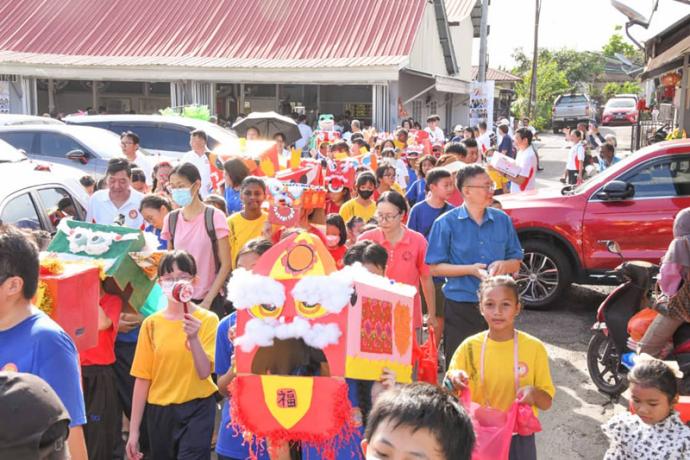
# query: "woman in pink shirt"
192, 234
406, 251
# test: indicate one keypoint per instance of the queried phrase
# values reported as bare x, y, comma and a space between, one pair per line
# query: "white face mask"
332, 240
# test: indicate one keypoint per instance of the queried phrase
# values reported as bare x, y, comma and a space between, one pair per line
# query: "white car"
160, 134
35, 195
10, 119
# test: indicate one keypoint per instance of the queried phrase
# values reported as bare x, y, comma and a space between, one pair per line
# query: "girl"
406, 250
654, 430
334, 200
139, 180
173, 365
576, 159
417, 191
234, 173
153, 209
401, 176
354, 229
491, 353
161, 176
362, 205
336, 237
385, 177
203, 232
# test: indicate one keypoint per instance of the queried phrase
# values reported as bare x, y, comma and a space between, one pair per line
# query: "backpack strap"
172, 225
211, 230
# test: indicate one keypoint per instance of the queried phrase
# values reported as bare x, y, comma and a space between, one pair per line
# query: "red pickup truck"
565, 232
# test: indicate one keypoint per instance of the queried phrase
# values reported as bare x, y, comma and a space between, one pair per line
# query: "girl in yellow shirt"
499, 305
172, 364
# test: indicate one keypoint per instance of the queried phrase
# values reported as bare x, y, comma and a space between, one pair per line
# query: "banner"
482, 103
4, 97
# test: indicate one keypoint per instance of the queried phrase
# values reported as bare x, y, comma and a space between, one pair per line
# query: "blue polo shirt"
457, 239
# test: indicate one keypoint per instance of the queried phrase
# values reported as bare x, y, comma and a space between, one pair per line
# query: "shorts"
572, 177
103, 411
440, 300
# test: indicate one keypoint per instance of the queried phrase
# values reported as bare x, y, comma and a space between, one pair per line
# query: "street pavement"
571, 429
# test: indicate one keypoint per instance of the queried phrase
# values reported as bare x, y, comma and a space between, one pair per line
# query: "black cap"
34, 423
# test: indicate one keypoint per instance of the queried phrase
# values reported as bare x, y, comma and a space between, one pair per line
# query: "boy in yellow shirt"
500, 181
249, 222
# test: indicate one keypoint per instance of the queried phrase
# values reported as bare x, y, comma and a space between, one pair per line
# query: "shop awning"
670, 59
452, 85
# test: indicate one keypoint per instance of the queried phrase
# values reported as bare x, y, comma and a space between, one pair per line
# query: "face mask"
182, 196
365, 194
332, 240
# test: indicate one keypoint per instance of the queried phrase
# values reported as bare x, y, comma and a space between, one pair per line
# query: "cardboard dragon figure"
301, 327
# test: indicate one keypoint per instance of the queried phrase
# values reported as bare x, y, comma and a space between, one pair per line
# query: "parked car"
565, 233
7, 119
159, 134
570, 109
620, 110
83, 147
35, 194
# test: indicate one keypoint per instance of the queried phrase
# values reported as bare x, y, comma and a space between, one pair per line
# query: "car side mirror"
616, 190
78, 155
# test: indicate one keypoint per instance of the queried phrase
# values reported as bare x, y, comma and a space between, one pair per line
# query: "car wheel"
544, 274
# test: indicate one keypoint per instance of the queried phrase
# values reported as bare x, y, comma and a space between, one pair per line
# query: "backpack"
210, 230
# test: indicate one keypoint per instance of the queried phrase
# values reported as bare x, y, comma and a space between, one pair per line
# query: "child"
216, 201
234, 173
371, 255
576, 159
89, 184
249, 222
336, 237
362, 205
354, 229
231, 445
139, 180
153, 209
654, 430
418, 421
173, 365
499, 304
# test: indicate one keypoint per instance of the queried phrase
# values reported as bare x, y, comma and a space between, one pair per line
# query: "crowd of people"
153, 385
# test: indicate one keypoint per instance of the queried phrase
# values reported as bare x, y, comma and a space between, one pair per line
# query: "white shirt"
436, 135
101, 210
204, 167
401, 173
144, 163
577, 151
306, 133
484, 141
527, 160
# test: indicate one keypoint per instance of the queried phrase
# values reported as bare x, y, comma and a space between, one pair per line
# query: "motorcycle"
611, 351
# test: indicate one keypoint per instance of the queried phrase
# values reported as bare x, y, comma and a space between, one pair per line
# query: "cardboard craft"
109, 246
260, 156
505, 164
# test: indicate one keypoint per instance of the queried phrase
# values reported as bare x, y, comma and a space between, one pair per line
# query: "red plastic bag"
639, 323
493, 429
526, 423
426, 358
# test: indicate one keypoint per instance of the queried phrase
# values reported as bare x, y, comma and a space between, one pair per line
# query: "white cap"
504, 121
458, 128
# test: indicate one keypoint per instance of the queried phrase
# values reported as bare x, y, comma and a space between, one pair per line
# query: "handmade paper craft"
261, 157
505, 164
109, 246
340, 175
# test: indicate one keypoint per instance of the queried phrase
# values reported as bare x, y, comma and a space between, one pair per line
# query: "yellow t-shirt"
243, 230
397, 188
352, 208
499, 380
498, 179
163, 357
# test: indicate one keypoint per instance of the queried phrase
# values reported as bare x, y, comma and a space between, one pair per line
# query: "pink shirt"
192, 237
405, 261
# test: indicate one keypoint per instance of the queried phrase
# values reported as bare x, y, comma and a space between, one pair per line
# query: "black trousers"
462, 320
124, 355
572, 177
181, 431
102, 410
523, 448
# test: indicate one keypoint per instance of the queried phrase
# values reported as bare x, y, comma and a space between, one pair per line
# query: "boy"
440, 187
500, 181
576, 159
371, 255
362, 205
418, 421
30, 341
249, 222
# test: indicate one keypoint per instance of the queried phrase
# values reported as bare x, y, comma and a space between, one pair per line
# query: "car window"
572, 100
20, 211
57, 145
19, 140
620, 103
160, 137
58, 204
666, 177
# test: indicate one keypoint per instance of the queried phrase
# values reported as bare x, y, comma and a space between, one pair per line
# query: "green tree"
551, 81
628, 87
618, 44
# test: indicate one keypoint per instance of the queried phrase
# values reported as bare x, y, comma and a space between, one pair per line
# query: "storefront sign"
482, 103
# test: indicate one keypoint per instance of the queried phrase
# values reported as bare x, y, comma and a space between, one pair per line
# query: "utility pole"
532, 107
483, 36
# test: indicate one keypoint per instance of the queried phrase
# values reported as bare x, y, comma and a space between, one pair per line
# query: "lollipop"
182, 292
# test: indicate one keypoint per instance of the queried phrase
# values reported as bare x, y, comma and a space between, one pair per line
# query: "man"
435, 133
198, 156
484, 138
355, 127
458, 133
119, 203
466, 245
472, 150
129, 142
30, 341
305, 132
465, 155
526, 158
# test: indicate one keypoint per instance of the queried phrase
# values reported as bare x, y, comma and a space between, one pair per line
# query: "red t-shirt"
104, 353
456, 198
338, 253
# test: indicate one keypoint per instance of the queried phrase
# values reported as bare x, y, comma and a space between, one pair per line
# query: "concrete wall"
427, 54
463, 37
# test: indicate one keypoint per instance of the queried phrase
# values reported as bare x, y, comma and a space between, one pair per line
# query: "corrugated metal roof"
495, 74
209, 33
457, 10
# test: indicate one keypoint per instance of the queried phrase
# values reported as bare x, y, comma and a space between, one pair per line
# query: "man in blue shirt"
466, 245
30, 341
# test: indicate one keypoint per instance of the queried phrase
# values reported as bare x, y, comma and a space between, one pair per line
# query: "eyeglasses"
127, 143
386, 217
488, 188
389, 175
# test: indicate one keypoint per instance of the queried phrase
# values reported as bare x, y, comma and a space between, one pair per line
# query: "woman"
203, 232
153, 209
235, 170
172, 364
407, 124
406, 251
161, 176
417, 191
